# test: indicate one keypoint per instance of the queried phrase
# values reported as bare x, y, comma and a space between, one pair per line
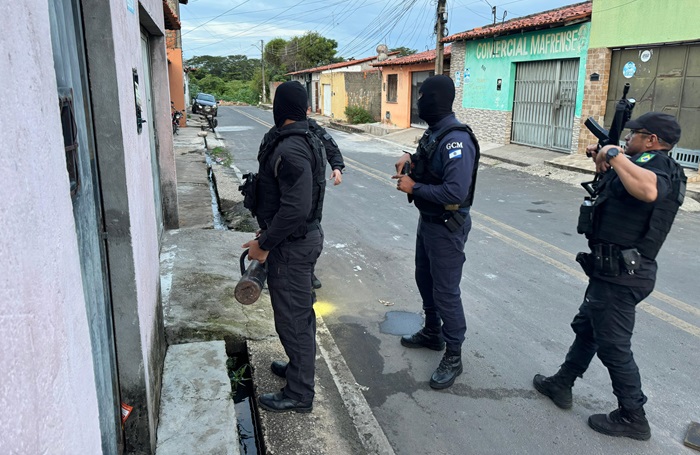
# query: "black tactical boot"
622, 422
279, 368
557, 387
450, 367
424, 339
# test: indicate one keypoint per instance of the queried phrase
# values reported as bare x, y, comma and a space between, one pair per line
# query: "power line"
245, 31
228, 10
372, 32
302, 14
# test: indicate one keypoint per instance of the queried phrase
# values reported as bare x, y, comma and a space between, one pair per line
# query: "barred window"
392, 88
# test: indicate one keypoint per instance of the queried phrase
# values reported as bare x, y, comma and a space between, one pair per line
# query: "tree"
232, 67
403, 51
273, 49
300, 52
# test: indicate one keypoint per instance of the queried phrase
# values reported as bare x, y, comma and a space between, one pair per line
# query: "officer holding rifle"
626, 220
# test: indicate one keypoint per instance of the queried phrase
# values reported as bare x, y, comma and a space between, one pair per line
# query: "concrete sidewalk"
205, 326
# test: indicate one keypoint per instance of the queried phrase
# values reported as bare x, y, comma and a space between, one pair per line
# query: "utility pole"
262, 62
440, 22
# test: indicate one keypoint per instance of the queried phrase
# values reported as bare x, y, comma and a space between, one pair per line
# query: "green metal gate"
545, 103
663, 79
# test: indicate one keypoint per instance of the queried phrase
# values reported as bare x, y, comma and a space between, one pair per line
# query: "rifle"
623, 112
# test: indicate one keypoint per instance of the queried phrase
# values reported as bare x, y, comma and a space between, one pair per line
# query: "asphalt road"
521, 287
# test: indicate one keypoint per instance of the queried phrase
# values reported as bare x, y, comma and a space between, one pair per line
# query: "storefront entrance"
544, 104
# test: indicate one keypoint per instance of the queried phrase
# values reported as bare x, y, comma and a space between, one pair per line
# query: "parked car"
205, 104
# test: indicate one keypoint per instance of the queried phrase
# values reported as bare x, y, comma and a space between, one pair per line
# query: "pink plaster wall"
127, 41
47, 389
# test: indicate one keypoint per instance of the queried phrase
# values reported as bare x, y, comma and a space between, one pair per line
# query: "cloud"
357, 25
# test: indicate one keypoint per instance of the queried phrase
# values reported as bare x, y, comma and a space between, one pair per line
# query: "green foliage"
300, 52
242, 92
403, 51
211, 84
237, 376
358, 114
221, 156
238, 78
273, 50
237, 67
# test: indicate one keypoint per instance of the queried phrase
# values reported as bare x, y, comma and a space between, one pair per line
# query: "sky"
230, 27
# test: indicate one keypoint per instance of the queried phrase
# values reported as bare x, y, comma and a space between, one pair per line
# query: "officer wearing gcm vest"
636, 202
289, 199
441, 183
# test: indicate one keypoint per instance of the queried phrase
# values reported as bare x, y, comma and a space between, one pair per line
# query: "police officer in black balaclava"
291, 184
441, 182
333, 155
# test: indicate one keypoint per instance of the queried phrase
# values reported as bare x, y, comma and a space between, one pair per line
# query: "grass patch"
221, 156
236, 373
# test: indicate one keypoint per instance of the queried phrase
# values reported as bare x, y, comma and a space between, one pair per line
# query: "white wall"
47, 389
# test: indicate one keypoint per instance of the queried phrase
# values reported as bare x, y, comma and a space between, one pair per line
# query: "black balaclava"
437, 95
290, 103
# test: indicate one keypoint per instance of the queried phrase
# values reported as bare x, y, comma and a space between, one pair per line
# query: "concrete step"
197, 415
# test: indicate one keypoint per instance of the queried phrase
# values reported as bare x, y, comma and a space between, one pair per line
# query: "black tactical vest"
424, 173
267, 190
637, 224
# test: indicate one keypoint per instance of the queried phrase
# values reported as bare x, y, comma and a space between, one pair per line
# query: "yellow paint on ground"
323, 308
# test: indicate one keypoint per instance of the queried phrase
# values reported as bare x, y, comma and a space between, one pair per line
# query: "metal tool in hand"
252, 281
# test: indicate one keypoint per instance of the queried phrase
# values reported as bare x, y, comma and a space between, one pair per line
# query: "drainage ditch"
247, 418
250, 437
215, 201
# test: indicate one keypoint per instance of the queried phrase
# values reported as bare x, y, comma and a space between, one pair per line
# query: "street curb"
346, 128
568, 167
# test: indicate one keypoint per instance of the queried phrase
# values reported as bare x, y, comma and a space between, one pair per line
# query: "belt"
432, 219
313, 226
438, 219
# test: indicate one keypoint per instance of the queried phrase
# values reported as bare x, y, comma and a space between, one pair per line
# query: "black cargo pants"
290, 266
439, 261
604, 326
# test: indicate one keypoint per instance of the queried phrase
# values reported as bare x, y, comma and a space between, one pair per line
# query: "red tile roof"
427, 56
333, 66
170, 20
547, 19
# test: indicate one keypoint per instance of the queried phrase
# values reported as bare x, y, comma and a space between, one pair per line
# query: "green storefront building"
522, 81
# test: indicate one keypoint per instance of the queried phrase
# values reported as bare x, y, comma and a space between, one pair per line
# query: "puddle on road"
401, 323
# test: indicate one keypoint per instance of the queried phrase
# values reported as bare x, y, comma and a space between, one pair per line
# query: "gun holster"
585, 260
453, 220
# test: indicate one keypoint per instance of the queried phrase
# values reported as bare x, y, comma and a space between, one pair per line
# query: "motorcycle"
212, 122
175, 117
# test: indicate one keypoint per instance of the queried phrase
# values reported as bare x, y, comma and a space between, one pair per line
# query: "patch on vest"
646, 157
455, 154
